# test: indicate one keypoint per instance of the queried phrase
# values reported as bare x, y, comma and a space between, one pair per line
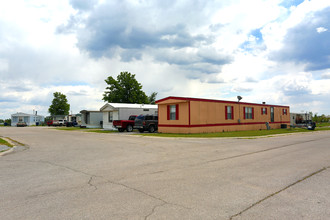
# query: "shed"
194, 115
122, 111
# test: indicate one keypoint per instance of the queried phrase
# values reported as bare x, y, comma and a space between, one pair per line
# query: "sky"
273, 51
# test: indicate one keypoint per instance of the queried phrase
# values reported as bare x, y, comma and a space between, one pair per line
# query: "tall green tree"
59, 105
152, 98
126, 89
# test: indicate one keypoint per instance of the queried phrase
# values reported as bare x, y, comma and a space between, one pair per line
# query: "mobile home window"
173, 112
264, 111
285, 112
229, 112
110, 116
248, 112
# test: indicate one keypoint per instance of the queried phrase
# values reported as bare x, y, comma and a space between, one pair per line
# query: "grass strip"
98, 130
101, 131
323, 124
70, 128
254, 133
4, 142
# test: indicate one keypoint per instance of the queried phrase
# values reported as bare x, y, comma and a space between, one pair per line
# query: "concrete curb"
10, 150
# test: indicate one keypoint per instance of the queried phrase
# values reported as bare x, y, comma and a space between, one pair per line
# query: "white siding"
27, 118
93, 119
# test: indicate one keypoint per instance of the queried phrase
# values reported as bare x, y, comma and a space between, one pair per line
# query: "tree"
126, 89
59, 105
8, 122
152, 98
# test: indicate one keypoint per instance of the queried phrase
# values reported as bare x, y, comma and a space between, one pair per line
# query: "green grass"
96, 130
3, 142
101, 131
323, 124
250, 134
70, 128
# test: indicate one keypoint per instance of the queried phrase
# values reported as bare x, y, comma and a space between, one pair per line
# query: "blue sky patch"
290, 3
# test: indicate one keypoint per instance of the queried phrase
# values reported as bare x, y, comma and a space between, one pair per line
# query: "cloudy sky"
277, 51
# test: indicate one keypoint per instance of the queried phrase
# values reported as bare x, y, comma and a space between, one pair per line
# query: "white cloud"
326, 75
321, 29
209, 49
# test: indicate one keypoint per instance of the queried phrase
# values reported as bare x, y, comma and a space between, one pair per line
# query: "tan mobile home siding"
205, 115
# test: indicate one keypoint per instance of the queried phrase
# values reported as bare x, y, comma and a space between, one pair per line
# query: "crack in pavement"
153, 210
125, 186
107, 181
222, 159
277, 192
110, 181
90, 183
163, 202
254, 152
147, 194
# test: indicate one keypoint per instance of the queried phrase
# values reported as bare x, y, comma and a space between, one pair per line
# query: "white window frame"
110, 116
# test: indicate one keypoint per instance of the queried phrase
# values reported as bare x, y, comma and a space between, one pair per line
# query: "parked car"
71, 124
146, 123
56, 123
62, 122
311, 126
123, 125
21, 124
50, 123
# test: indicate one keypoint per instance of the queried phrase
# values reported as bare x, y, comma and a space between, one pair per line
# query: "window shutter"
232, 112
168, 112
282, 111
244, 112
177, 111
226, 112
252, 113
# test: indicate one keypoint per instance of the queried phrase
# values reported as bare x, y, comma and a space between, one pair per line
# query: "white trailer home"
29, 119
122, 111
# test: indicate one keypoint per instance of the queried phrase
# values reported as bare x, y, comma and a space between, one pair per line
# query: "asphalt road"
78, 175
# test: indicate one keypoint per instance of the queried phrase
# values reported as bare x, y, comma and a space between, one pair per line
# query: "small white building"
29, 119
122, 111
91, 118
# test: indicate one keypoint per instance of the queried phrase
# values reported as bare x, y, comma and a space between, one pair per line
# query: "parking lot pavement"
79, 175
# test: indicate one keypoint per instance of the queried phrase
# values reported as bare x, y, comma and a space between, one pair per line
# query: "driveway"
79, 175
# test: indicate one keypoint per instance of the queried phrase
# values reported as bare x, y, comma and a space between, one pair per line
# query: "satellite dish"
239, 98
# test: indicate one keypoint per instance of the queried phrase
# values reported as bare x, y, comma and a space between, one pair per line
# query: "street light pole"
239, 98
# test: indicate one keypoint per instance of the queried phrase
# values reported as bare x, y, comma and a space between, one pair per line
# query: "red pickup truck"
123, 125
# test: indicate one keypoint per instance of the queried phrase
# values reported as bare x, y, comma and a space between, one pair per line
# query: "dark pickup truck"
123, 125
146, 123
